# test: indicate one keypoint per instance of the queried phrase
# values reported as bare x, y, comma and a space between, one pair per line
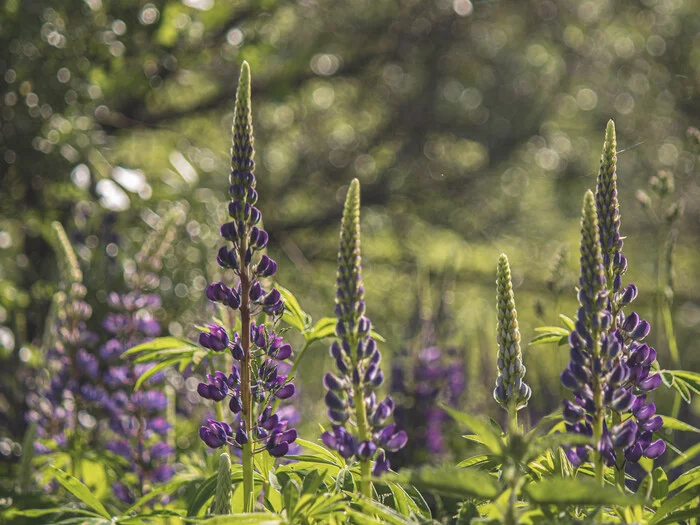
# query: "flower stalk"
351, 396
254, 384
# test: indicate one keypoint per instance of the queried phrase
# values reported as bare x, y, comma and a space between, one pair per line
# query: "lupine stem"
246, 397
361, 415
598, 421
219, 405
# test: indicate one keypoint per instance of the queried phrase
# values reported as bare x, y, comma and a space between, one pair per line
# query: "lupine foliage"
557, 470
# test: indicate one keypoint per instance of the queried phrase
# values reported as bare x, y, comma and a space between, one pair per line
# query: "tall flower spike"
592, 279
351, 396
608, 209
252, 387
511, 391
609, 371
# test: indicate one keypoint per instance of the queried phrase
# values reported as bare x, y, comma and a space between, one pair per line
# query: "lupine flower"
255, 381
418, 384
351, 396
139, 430
610, 366
511, 391
134, 417
72, 367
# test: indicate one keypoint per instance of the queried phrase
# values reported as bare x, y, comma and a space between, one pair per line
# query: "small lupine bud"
572, 413
227, 258
381, 465
216, 339
286, 391
224, 488
256, 291
655, 450
228, 231
266, 267
650, 383
624, 435
235, 405
569, 380
622, 400
338, 417
653, 424
334, 401
645, 412
641, 330
366, 449
332, 382
217, 292
634, 453
631, 322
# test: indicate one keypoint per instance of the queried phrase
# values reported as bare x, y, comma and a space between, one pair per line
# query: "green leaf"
671, 423
481, 428
293, 314
680, 516
576, 491
154, 370
660, 487
568, 322
553, 330
375, 513
80, 491
36, 513
474, 461
158, 344
320, 450
258, 518
204, 493
686, 456
461, 483
553, 441
344, 481
325, 327
674, 503
548, 338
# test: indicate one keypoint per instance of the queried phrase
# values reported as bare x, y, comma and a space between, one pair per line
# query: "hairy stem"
361, 416
246, 397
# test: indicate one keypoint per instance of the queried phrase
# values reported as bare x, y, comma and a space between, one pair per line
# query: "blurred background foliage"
474, 127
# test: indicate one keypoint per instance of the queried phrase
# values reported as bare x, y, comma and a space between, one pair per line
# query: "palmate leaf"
577, 491
483, 430
375, 513
80, 491
258, 518
674, 504
684, 382
462, 483
671, 423
293, 314
164, 352
540, 445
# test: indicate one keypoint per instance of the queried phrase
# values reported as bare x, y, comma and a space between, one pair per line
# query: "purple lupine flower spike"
351, 396
610, 370
258, 353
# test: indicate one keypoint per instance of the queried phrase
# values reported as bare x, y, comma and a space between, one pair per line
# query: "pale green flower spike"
511, 392
222, 499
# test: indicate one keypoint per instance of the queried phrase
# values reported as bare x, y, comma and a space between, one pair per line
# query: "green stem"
246, 396
295, 365
219, 406
619, 458
361, 416
512, 419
